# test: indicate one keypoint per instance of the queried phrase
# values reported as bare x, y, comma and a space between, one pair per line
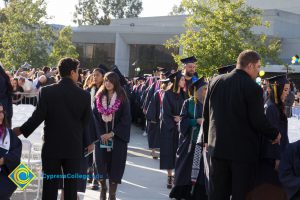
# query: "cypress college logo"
22, 176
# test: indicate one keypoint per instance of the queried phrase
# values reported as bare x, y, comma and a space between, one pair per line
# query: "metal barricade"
296, 112
25, 98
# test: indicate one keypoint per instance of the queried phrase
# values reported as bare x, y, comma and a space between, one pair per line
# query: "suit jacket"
234, 117
66, 110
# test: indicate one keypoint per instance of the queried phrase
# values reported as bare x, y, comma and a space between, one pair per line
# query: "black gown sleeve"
12, 158
167, 111
185, 121
256, 113
152, 109
37, 117
122, 128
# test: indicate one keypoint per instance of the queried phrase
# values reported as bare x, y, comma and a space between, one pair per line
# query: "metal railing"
25, 98
296, 111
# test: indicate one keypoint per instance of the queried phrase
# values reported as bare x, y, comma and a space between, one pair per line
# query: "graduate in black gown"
112, 112
289, 171
190, 74
172, 104
189, 127
10, 155
271, 154
153, 116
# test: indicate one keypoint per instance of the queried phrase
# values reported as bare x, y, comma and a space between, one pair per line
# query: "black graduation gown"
169, 136
153, 117
6, 99
11, 161
185, 155
111, 164
271, 152
289, 171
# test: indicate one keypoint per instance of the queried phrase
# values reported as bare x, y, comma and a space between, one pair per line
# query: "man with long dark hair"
66, 110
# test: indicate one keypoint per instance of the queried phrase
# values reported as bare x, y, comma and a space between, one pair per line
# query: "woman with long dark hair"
275, 112
6, 94
10, 155
112, 112
189, 127
172, 104
96, 82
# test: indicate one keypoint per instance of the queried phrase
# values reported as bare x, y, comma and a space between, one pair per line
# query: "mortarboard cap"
191, 59
122, 78
226, 69
166, 81
103, 68
277, 84
279, 79
199, 83
140, 78
177, 75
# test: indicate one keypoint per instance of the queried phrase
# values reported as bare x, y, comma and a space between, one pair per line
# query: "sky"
62, 10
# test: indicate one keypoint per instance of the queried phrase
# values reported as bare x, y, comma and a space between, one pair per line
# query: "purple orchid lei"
109, 110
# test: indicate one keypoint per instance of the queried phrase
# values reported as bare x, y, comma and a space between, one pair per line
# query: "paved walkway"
142, 179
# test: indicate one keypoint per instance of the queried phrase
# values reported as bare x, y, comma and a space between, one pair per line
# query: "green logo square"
22, 176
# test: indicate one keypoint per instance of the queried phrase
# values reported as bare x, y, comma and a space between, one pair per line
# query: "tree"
63, 46
218, 30
25, 37
87, 11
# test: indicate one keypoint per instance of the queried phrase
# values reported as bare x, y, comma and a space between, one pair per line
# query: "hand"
106, 137
205, 147
277, 162
17, 131
277, 140
91, 148
199, 121
1, 161
177, 119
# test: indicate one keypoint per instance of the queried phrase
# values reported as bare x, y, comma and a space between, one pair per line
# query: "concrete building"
138, 42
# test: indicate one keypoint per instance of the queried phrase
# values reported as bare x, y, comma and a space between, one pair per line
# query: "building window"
146, 57
91, 55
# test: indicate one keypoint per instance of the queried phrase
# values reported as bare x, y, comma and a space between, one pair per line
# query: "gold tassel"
174, 86
275, 93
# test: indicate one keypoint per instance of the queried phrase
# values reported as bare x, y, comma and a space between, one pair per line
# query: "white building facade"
139, 42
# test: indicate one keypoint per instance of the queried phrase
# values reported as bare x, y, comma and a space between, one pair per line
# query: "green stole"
194, 127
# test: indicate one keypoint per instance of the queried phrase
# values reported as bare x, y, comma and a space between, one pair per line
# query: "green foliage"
87, 11
25, 37
63, 46
218, 30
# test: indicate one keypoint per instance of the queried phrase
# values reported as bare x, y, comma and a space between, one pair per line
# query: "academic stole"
194, 130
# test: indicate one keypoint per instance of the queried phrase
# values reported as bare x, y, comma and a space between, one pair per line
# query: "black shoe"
170, 182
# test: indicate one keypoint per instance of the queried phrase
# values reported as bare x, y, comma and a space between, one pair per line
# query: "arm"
289, 180
151, 111
185, 121
37, 117
256, 115
273, 117
206, 115
168, 117
122, 128
12, 158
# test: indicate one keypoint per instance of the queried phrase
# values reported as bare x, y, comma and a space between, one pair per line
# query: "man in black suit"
234, 119
65, 109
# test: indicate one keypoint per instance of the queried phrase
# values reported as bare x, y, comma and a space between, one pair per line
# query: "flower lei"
107, 111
